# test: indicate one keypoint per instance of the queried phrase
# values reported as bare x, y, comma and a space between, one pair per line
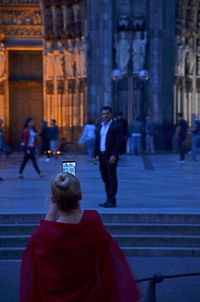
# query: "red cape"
75, 263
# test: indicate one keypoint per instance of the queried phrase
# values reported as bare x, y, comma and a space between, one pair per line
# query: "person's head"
44, 124
90, 121
53, 122
119, 115
29, 123
66, 192
106, 114
179, 115
1, 122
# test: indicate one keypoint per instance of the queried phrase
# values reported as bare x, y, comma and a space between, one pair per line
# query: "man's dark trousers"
109, 176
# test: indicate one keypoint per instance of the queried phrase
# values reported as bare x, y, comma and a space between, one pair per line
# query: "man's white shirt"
103, 134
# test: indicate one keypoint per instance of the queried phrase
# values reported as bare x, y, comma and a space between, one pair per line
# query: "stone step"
148, 251
137, 234
158, 240
114, 217
115, 228
122, 239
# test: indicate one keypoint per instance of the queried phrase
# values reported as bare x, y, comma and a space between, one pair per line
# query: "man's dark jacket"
113, 140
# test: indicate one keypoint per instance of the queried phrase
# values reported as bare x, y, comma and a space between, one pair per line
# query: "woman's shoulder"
91, 214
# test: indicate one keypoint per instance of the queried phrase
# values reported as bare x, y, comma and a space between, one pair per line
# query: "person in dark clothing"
45, 135
29, 134
54, 137
181, 132
123, 124
107, 148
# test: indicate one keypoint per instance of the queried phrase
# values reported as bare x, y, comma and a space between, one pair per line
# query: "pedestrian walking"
72, 257
136, 128
44, 144
149, 135
88, 138
195, 131
123, 124
181, 133
107, 148
54, 137
29, 135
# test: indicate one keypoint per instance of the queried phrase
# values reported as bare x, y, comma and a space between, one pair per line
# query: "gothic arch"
187, 69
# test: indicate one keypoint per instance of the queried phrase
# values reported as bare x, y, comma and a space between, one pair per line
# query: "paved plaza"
154, 184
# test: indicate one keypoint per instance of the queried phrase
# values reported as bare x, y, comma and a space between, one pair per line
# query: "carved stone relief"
20, 18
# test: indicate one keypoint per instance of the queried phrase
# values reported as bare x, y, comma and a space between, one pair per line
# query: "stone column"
99, 55
106, 52
155, 59
93, 57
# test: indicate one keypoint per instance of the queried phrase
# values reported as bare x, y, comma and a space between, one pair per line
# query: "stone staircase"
137, 234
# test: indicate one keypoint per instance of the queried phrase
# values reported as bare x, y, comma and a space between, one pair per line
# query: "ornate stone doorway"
25, 90
187, 69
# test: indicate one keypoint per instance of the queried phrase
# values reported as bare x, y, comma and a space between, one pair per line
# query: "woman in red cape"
71, 257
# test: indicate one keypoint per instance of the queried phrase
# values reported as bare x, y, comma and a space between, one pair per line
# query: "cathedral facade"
66, 59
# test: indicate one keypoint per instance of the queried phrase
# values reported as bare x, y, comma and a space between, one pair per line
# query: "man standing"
107, 148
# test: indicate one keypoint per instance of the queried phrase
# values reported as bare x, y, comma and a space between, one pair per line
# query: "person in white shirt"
107, 148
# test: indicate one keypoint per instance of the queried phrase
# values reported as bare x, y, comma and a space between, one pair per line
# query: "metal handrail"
159, 277
150, 295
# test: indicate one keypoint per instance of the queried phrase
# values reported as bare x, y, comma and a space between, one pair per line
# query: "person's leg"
23, 164
90, 148
104, 174
181, 150
112, 182
34, 162
194, 151
151, 144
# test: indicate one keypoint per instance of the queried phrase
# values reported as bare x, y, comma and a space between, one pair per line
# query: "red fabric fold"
75, 263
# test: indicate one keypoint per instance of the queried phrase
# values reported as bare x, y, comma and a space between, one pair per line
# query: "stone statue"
59, 67
69, 58
190, 56
180, 56
80, 56
3, 75
69, 63
49, 61
198, 57
139, 51
122, 52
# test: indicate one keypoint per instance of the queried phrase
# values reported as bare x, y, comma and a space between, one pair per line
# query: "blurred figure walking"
88, 138
29, 135
54, 137
44, 134
136, 128
181, 132
123, 124
149, 132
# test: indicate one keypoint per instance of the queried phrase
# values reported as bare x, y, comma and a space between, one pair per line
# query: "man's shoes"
108, 204
103, 204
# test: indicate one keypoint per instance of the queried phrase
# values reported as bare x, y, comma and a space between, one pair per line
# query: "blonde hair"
66, 191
